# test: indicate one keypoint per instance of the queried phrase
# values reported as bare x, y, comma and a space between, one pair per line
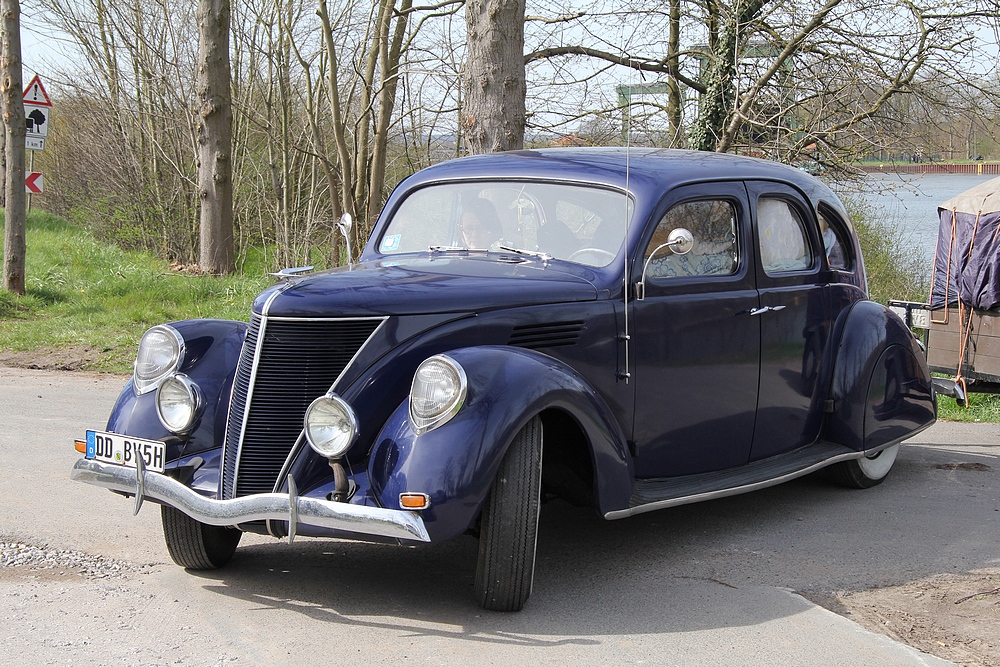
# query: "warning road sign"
37, 107
35, 94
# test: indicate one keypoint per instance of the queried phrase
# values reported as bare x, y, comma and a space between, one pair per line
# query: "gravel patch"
15, 554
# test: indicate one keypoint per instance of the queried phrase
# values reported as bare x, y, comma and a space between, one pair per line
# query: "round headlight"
330, 426
161, 351
179, 403
437, 393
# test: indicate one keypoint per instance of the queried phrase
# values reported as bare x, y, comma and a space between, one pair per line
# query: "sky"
42, 49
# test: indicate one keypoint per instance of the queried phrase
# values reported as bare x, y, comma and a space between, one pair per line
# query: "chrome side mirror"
680, 241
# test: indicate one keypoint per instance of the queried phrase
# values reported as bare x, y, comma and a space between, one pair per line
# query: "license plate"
920, 318
123, 450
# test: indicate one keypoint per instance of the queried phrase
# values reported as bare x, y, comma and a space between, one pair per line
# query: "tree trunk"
493, 117
11, 86
675, 98
389, 55
215, 137
718, 101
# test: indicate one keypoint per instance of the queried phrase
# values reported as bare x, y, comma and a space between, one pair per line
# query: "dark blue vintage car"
629, 330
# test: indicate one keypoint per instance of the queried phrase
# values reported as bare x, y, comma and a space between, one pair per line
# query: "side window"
783, 242
833, 237
712, 223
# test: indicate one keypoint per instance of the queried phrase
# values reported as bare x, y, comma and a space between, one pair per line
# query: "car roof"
647, 172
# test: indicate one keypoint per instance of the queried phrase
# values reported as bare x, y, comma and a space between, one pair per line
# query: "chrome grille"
284, 366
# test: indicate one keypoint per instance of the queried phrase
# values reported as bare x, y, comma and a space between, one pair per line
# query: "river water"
910, 201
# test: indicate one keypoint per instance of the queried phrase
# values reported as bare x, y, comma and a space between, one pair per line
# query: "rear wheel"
865, 472
197, 545
509, 525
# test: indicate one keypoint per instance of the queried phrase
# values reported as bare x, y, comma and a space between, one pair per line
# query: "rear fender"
456, 463
880, 386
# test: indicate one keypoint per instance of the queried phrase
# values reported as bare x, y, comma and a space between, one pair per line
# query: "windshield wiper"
447, 248
544, 256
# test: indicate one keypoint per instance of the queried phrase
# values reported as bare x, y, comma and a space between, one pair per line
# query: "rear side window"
784, 245
834, 243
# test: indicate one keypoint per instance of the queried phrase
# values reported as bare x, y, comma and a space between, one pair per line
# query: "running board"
654, 494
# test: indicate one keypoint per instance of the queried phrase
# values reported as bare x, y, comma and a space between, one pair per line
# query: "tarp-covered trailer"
962, 321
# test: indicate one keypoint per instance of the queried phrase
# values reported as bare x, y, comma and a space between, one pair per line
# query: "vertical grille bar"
297, 361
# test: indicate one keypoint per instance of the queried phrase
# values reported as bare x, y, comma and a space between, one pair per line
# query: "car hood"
426, 284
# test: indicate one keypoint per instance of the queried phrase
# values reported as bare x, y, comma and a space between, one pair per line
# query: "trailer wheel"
509, 525
865, 472
196, 545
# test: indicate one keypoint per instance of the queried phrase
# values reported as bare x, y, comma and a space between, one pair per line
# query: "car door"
694, 341
794, 318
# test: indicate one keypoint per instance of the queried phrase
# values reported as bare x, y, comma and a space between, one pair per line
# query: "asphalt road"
716, 583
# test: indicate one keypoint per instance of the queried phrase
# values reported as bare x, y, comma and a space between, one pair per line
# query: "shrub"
896, 266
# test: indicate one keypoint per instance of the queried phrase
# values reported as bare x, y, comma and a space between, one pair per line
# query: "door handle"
765, 309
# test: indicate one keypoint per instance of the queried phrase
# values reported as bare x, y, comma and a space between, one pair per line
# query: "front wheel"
196, 545
865, 472
509, 525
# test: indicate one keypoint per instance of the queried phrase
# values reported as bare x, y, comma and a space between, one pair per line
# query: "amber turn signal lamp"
414, 501
81, 446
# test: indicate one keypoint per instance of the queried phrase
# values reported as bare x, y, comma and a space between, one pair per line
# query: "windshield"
572, 222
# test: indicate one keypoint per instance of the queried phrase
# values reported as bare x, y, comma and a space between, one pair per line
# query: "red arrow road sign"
33, 182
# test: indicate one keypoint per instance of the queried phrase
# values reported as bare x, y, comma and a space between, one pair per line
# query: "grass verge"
982, 408
81, 293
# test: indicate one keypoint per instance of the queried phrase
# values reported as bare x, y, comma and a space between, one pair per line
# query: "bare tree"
782, 79
215, 137
13, 117
493, 113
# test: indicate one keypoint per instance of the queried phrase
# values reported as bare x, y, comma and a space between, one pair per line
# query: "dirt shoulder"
74, 358
954, 616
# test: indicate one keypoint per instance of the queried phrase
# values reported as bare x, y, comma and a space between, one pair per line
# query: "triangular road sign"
35, 93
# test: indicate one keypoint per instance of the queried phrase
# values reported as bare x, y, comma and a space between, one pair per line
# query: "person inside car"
479, 224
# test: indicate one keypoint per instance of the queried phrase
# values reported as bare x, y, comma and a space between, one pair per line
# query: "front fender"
456, 463
880, 387
212, 354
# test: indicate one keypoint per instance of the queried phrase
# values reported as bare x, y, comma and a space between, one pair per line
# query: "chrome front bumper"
289, 507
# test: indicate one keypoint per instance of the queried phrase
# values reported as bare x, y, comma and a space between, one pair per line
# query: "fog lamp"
179, 403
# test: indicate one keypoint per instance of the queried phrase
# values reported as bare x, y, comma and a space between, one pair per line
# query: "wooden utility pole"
215, 138
13, 118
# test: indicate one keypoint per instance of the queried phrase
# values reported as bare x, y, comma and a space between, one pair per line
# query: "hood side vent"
538, 336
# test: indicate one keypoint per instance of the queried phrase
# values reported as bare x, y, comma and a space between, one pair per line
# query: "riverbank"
978, 168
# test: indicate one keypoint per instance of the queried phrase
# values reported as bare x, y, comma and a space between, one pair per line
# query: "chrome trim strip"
359, 519
246, 408
327, 319
722, 493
